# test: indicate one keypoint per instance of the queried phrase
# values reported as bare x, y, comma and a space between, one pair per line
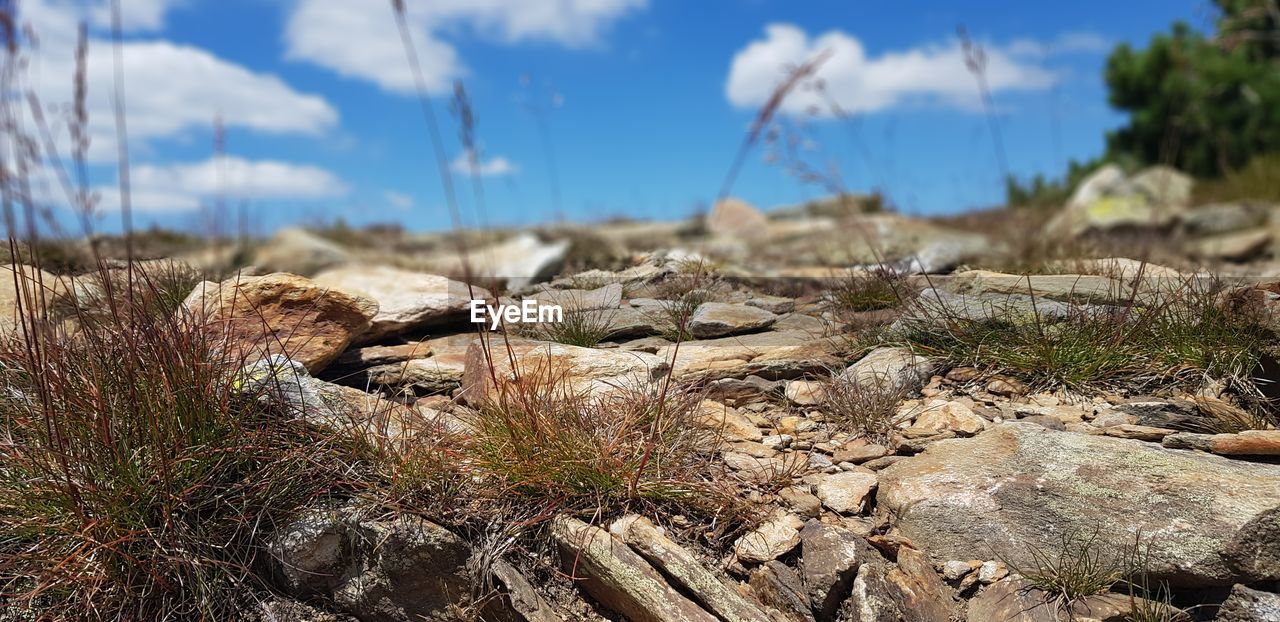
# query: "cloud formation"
933, 74
493, 167
187, 186
360, 40
170, 89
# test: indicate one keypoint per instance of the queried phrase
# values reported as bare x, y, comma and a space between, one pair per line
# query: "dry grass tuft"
137, 481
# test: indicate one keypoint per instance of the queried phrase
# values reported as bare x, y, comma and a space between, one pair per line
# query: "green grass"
1081, 565
584, 328
1259, 180
880, 288
541, 441
136, 481
1183, 333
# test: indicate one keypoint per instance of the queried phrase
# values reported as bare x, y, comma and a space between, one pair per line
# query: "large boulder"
1020, 487
736, 218
1108, 200
406, 300
259, 316
24, 289
298, 251
519, 261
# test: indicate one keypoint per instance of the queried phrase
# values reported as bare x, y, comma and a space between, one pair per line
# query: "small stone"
955, 570
805, 392
769, 541
992, 571
801, 500
728, 422
962, 375
772, 304
1006, 386
846, 492
777, 441
1138, 432
860, 454
942, 416
1189, 440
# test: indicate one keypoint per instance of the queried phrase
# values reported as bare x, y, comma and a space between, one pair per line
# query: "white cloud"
135, 15
170, 88
358, 40
859, 83
398, 200
493, 167
187, 186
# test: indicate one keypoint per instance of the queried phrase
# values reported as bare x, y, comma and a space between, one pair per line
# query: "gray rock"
1220, 218
772, 304
891, 367
1016, 601
299, 252
1248, 605
618, 578
718, 319
830, 558
680, 565
406, 300
402, 568
778, 586
1207, 520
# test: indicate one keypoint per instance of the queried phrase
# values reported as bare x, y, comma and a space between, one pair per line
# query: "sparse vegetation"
1183, 332
544, 442
871, 290
137, 483
1083, 565
870, 409
580, 327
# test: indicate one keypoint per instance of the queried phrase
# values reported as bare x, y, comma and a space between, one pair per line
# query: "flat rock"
406, 300
583, 370
1208, 520
774, 355
774, 538
1248, 605
618, 578
718, 319
282, 314
846, 492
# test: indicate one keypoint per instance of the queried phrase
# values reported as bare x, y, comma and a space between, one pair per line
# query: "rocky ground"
878, 480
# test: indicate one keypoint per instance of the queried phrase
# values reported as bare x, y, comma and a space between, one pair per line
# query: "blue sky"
645, 101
